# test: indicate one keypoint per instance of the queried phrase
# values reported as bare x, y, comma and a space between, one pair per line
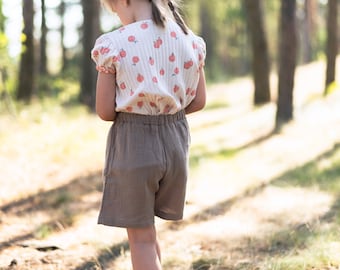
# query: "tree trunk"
43, 55
26, 72
62, 8
309, 30
332, 41
260, 63
287, 62
2, 19
210, 36
91, 30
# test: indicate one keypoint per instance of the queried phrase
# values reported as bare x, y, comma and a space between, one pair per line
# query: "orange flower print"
172, 57
188, 64
173, 34
115, 59
135, 60
140, 78
104, 50
144, 25
176, 71
122, 53
132, 39
167, 108
95, 53
157, 44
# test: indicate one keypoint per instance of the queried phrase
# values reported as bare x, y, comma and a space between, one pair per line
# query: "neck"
137, 11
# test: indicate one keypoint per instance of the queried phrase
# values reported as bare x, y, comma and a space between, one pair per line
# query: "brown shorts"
146, 170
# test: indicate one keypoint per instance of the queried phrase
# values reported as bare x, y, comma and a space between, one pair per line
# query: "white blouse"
157, 69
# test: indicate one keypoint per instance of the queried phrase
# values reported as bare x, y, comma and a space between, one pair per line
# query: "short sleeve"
105, 55
201, 47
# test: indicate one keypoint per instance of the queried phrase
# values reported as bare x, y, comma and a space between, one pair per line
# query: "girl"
150, 76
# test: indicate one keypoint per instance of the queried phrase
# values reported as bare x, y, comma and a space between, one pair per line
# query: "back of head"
161, 10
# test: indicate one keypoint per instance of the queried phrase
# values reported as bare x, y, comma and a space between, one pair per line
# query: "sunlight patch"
273, 209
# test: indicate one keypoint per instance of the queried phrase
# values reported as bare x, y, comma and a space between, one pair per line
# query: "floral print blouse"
157, 69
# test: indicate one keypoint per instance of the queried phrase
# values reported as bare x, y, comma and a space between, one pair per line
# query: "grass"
315, 245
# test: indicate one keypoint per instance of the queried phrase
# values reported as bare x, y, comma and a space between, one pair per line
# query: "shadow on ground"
56, 203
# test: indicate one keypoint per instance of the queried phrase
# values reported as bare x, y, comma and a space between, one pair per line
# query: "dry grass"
256, 199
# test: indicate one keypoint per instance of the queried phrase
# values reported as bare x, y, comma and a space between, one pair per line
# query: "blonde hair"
161, 9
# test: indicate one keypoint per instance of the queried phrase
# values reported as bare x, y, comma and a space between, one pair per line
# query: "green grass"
316, 245
322, 173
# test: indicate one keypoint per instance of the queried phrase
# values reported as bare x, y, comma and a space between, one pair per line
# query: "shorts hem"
169, 217
125, 224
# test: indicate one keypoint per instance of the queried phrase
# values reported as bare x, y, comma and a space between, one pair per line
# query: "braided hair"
159, 17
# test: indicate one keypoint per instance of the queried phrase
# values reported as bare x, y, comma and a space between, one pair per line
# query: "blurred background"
45, 45
264, 189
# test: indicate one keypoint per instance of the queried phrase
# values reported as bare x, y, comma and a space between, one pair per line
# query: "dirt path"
232, 209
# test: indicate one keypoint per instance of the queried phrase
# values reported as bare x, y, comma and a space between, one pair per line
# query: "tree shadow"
292, 237
105, 257
53, 198
196, 156
56, 203
217, 209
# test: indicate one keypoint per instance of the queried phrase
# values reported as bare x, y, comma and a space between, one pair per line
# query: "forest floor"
257, 199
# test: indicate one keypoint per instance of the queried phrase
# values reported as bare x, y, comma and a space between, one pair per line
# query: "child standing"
150, 76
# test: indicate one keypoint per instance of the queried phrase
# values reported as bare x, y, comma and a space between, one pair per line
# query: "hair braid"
178, 17
157, 15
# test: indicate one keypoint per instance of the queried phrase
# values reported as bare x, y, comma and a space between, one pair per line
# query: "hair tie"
171, 6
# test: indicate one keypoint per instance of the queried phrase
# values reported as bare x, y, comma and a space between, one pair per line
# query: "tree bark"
2, 19
309, 30
91, 30
260, 61
26, 72
61, 10
210, 36
287, 62
43, 41
332, 41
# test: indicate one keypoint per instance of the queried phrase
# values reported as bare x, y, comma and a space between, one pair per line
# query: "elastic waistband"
150, 119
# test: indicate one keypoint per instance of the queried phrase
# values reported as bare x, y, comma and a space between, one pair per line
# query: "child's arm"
198, 102
106, 96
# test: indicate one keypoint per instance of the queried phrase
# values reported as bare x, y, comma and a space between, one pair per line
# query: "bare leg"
145, 251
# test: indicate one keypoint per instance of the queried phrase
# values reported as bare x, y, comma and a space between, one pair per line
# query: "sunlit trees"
309, 30
61, 12
91, 30
260, 54
332, 41
43, 41
231, 50
210, 34
2, 19
27, 65
287, 61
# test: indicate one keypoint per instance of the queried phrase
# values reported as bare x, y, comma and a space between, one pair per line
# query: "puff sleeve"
201, 48
105, 55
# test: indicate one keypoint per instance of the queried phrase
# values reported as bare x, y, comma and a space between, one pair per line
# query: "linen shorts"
146, 170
